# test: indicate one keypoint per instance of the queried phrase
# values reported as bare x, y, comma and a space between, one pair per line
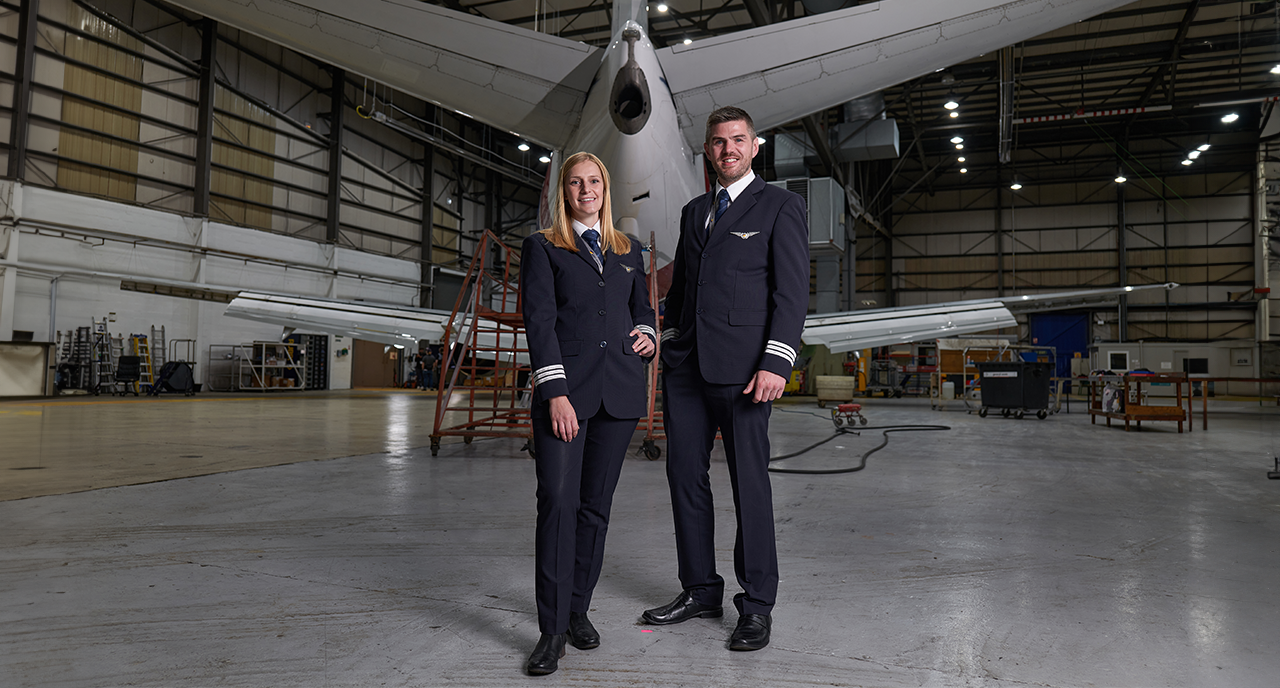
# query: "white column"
8, 280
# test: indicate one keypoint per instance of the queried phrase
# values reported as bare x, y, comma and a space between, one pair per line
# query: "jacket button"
602, 283
699, 311
604, 344
701, 282
601, 311
704, 255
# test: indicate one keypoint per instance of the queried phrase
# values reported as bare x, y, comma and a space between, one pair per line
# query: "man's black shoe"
546, 655
582, 634
752, 632
682, 609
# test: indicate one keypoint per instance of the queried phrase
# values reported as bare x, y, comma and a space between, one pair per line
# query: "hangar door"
1066, 332
373, 364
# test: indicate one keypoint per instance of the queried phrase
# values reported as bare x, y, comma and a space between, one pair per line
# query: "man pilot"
734, 314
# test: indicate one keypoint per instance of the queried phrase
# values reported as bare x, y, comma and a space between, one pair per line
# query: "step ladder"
139, 346
82, 358
158, 349
104, 370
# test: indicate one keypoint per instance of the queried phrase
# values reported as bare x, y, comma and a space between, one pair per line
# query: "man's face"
730, 149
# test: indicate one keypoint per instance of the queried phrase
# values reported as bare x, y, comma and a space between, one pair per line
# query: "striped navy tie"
722, 204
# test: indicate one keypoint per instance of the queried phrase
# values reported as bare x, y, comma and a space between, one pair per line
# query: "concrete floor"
997, 553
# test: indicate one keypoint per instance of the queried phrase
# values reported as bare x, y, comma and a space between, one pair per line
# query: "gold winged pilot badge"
744, 235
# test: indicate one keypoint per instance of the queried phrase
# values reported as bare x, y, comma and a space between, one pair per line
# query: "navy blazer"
740, 296
577, 320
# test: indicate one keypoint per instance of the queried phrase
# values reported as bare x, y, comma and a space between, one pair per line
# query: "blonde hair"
561, 231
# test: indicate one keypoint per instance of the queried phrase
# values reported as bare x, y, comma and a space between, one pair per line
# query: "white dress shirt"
735, 189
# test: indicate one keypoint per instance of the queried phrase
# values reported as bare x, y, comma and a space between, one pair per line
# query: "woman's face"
584, 192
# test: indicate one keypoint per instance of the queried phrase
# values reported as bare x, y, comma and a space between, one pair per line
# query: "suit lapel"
698, 218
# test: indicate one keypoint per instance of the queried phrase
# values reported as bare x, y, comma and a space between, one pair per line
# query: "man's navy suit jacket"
577, 322
739, 296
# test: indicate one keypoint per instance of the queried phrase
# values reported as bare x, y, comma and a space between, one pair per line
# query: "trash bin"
1015, 387
1036, 377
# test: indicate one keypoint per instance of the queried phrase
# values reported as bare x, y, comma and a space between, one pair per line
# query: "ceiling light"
662, 7
1193, 154
544, 159
1187, 162
959, 146
954, 114
1203, 148
760, 140
1275, 69
1120, 178
1228, 119
960, 159
964, 170
687, 41
957, 139
1015, 186
524, 147
951, 104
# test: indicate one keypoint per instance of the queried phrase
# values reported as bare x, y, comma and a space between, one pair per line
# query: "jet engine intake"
629, 99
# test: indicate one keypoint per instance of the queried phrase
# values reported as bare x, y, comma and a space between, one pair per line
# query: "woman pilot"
589, 326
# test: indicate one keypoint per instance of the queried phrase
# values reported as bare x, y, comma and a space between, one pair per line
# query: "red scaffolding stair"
484, 390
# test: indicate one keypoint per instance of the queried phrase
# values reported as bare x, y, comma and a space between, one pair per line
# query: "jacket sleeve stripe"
645, 329
546, 373
670, 333
780, 350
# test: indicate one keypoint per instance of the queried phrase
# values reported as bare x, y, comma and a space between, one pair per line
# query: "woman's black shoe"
546, 655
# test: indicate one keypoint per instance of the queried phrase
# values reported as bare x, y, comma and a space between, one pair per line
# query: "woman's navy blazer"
577, 319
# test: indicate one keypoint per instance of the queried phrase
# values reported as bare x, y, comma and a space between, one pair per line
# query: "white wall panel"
82, 297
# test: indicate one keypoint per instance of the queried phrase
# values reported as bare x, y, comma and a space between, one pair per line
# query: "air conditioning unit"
825, 200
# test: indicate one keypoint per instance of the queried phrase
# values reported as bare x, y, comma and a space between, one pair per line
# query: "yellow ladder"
146, 376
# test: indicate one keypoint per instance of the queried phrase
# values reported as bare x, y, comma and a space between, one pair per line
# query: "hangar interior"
159, 162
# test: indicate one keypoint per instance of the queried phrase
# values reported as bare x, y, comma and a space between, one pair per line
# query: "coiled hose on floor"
862, 463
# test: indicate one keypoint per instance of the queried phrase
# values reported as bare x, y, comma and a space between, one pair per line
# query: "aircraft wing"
855, 330
384, 323
782, 72
395, 325
510, 78
864, 329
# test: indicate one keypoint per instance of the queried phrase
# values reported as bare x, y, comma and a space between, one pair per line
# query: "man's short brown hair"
729, 114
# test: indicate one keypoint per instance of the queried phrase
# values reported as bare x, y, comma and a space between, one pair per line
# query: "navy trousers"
693, 410
576, 481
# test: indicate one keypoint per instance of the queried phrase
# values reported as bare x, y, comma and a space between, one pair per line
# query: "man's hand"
642, 345
564, 421
766, 385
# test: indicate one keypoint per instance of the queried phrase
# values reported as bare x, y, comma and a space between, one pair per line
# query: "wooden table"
1135, 413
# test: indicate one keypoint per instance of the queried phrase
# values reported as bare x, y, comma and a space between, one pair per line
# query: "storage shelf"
254, 376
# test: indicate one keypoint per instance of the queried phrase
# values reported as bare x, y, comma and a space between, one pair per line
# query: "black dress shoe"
546, 655
582, 634
752, 632
682, 609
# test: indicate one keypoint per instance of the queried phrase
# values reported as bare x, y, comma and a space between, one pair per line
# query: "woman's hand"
643, 345
564, 421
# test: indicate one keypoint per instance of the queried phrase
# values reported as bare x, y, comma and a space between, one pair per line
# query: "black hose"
849, 431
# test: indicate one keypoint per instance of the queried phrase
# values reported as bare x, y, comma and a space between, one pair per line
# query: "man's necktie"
593, 242
722, 204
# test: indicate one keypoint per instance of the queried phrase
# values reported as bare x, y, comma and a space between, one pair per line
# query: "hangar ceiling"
1164, 73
